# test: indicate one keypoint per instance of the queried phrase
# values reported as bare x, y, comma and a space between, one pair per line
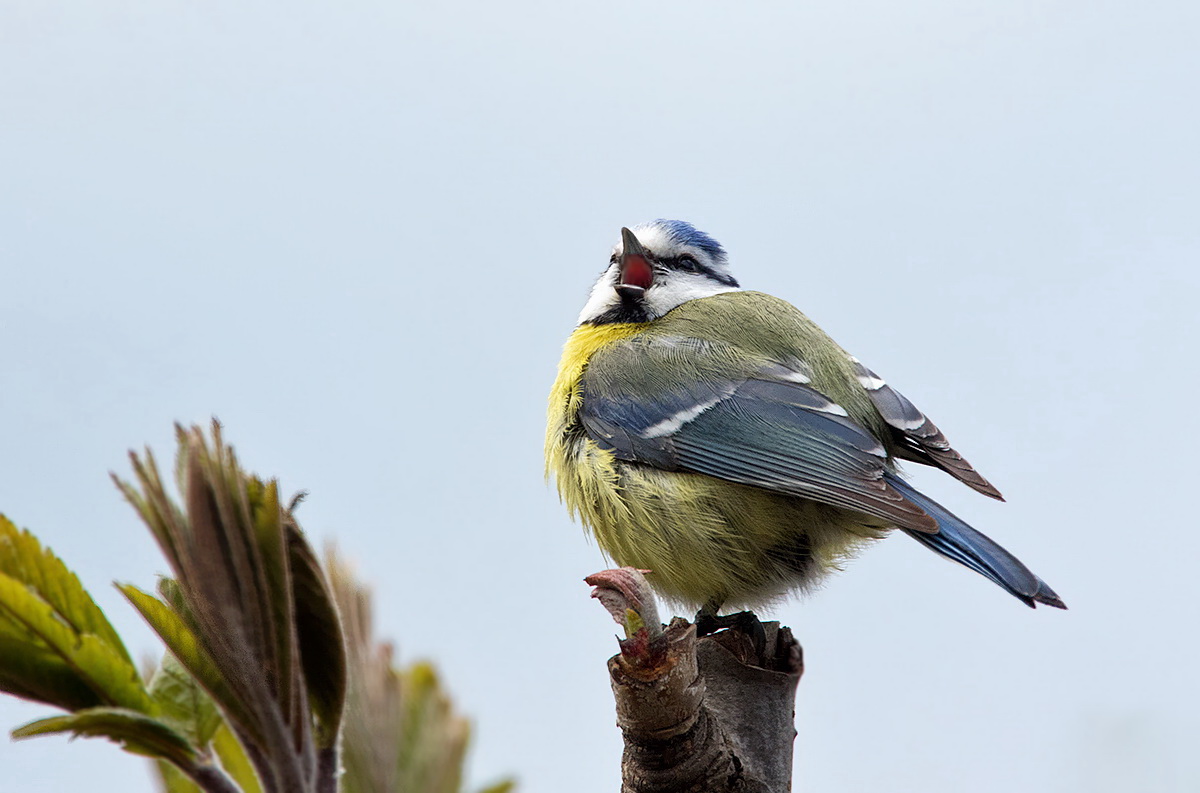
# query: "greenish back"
764, 329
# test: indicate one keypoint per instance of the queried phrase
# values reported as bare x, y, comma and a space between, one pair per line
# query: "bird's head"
654, 268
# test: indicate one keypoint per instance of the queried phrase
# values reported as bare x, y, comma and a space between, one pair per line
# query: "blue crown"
685, 233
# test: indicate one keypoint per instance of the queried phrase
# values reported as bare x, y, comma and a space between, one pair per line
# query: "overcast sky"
359, 232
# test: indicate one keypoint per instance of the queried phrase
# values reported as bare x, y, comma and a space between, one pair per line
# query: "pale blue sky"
359, 232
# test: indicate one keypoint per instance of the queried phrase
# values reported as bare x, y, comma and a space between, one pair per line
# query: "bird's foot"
709, 622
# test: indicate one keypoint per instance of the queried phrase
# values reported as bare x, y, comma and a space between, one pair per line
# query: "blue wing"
764, 428
973, 549
762, 425
918, 438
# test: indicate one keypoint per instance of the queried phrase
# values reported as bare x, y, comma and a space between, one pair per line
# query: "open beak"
636, 274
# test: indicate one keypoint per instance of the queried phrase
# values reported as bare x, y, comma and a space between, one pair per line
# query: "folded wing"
763, 428
919, 438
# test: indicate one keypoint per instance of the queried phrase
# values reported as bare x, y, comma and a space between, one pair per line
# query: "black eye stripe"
689, 264
685, 263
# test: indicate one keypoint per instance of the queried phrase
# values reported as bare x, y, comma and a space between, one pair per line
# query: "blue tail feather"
959, 542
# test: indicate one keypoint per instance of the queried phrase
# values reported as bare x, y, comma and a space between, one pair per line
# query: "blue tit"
720, 439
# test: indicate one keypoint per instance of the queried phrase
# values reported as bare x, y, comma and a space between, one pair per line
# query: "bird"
717, 438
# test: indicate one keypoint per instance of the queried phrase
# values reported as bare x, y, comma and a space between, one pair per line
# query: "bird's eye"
688, 263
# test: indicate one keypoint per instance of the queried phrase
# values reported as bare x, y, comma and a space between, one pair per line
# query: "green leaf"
233, 625
170, 593
31, 670
319, 634
161, 516
56, 646
172, 780
184, 645
433, 738
107, 671
234, 760
506, 786
135, 732
264, 534
183, 704
22, 557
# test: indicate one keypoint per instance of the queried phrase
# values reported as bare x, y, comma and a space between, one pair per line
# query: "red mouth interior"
636, 271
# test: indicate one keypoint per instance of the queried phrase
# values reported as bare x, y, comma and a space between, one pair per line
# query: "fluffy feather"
726, 443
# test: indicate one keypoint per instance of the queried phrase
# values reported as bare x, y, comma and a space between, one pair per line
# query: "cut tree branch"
714, 714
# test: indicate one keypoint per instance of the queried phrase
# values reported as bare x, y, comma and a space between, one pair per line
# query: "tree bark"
708, 715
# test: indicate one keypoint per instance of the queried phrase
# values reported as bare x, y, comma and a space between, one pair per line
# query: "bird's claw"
709, 622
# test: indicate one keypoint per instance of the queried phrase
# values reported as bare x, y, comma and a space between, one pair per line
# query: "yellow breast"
564, 437
704, 538
565, 396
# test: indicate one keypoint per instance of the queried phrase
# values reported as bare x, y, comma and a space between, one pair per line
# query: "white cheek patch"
672, 291
669, 290
603, 296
